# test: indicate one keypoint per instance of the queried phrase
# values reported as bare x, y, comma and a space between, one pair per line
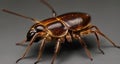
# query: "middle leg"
69, 38
42, 45
56, 50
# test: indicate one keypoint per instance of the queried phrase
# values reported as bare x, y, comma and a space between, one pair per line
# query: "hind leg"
100, 33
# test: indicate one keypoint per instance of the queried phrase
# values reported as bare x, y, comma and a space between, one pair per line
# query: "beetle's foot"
36, 62
19, 60
91, 59
19, 44
102, 51
117, 46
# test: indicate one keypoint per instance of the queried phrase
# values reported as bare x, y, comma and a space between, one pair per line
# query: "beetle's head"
36, 29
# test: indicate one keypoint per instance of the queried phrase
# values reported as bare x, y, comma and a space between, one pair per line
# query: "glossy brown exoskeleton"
65, 26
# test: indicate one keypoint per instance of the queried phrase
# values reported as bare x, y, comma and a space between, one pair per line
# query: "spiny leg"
85, 47
42, 45
22, 42
56, 51
98, 42
99, 32
28, 48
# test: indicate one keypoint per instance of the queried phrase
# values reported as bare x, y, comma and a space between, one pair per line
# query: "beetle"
67, 26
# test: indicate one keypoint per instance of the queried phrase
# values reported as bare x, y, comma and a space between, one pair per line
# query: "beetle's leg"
98, 42
85, 47
28, 47
22, 42
56, 50
108, 39
42, 45
99, 32
69, 38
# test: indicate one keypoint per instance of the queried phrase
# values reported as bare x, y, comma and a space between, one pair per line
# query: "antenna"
49, 6
11, 12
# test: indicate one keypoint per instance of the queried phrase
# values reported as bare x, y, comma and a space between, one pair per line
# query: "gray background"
105, 14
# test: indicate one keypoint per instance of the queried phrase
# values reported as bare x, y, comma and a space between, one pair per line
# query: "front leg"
28, 48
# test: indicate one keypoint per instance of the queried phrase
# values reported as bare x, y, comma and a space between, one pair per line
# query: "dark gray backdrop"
105, 14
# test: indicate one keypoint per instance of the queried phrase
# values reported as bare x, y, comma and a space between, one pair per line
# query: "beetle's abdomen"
75, 21
57, 26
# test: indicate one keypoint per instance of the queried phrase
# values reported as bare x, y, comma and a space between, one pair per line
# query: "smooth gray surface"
105, 14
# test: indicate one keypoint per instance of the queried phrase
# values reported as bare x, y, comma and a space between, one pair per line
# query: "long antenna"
49, 6
11, 12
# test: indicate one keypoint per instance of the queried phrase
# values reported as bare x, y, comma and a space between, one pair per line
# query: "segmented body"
58, 26
73, 20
